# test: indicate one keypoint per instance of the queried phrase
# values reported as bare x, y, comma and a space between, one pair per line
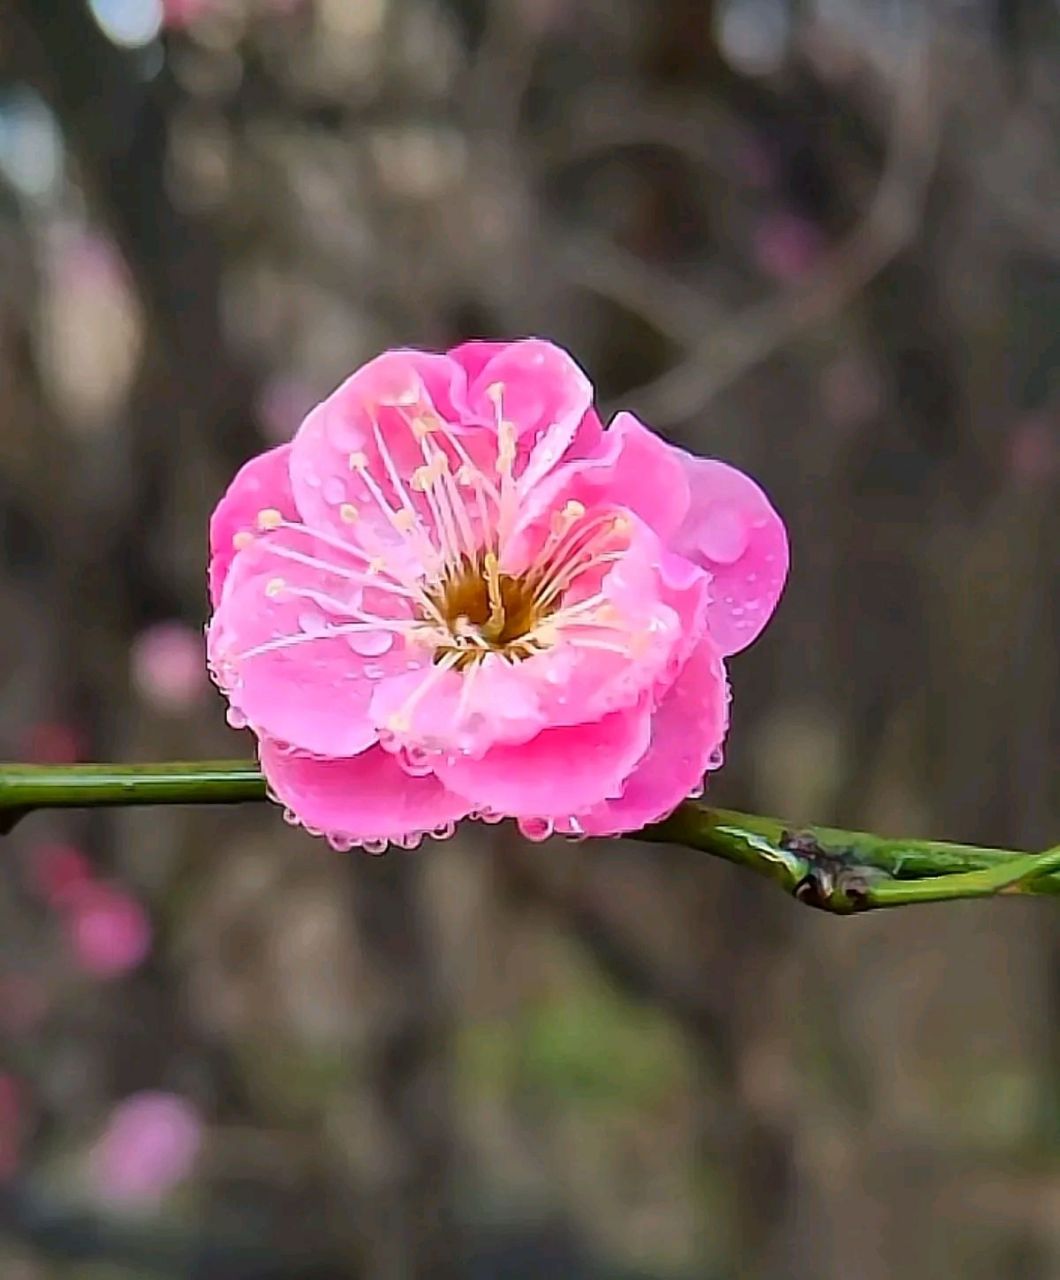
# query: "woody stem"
829, 868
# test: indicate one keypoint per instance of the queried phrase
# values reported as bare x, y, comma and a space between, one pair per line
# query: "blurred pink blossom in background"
52, 742
149, 1144
58, 872
1034, 453
282, 404
786, 245
107, 930
166, 662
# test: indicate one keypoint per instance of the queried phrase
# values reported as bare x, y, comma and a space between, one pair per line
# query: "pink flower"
108, 932
58, 872
149, 1144
786, 246
166, 666
455, 594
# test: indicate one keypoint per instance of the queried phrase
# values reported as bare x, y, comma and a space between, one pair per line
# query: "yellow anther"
273, 587
495, 392
348, 513
358, 461
423, 426
621, 525
376, 565
404, 520
573, 511
269, 518
242, 539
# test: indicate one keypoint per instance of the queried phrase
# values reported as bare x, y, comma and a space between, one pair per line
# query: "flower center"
487, 611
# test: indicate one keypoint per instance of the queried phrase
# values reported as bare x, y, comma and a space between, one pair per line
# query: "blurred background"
817, 238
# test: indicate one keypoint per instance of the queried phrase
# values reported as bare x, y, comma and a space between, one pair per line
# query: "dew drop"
371, 644
235, 718
416, 761
536, 829
723, 533
373, 671
312, 622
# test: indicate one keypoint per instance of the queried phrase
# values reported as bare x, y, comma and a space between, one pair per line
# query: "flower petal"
543, 393
732, 531
559, 772
687, 731
371, 415
366, 797
276, 648
630, 468
263, 482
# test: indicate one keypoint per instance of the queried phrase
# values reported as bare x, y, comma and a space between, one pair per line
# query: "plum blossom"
455, 594
165, 663
149, 1144
108, 931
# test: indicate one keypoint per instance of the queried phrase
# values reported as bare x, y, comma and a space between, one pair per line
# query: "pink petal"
559, 772
544, 394
314, 693
630, 468
263, 482
733, 532
369, 797
475, 355
386, 394
687, 731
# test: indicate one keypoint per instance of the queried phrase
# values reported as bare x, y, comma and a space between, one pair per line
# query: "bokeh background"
818, 238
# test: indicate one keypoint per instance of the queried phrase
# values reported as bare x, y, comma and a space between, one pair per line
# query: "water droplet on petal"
236, 719
371, 644
723, 533
536, 829
373, 671
312, 622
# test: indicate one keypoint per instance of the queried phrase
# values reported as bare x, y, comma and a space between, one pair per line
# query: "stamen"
306, 637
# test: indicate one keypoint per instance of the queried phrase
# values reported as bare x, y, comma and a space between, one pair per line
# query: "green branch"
834, 870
